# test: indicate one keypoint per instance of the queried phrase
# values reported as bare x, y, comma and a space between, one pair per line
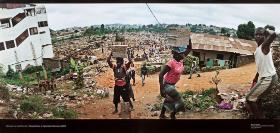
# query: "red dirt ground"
237, 79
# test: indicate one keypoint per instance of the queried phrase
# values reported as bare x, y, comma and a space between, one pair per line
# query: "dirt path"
232, 79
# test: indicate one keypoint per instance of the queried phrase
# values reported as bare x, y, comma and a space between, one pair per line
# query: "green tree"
212, 32
270, 27
223, 31
193, 29
89, 32
251, 30
102, 29
246, 31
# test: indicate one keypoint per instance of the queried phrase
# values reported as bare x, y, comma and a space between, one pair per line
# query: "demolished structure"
24, 36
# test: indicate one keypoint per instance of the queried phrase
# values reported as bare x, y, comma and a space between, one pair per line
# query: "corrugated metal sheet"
221, 43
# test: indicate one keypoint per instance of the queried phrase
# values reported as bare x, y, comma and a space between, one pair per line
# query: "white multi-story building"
24, 36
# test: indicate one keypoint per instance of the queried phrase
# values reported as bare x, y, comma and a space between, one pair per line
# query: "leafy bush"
208, 92
4, 92
151, 69
63, 71
188, 63
32, 69
1, 71
187, 69
11, 74
157, 107
198, 101
63, 112
194, 101
32, 104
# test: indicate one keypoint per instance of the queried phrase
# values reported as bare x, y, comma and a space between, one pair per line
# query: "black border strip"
140, 126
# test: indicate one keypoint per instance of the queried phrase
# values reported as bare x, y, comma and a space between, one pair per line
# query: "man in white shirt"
266, 75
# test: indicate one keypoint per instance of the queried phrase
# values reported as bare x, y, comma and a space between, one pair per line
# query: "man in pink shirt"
168, 77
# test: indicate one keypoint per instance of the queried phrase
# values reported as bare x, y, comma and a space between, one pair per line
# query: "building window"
43, 23
10, 44
40, 10
18, 18
18, 68
21, 37
2, 47
30, 12
220, 56
33, 31
5, 23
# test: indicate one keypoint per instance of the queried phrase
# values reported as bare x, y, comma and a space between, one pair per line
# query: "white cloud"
226, 15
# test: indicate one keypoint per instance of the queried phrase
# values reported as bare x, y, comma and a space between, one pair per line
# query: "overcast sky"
223, 15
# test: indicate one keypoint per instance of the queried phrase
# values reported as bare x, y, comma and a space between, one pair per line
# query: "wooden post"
38, 77
20, 75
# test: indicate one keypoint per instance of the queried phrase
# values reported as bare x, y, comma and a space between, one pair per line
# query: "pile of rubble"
58, 98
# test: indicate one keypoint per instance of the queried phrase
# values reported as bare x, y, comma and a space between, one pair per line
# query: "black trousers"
121, 91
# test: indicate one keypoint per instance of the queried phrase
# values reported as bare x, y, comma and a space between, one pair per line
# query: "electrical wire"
153, 13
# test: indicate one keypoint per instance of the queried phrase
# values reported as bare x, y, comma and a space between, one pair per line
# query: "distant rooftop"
222, 43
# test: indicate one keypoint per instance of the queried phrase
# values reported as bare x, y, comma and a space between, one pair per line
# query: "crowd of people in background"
170, 74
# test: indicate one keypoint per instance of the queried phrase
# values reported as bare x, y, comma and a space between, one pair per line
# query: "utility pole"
34, 54
18, 67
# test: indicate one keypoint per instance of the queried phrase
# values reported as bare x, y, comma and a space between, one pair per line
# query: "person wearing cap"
168, 77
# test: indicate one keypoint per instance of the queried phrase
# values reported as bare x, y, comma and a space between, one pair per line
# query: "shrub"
11, 74
157, 106
32, 69
1, 71
4, 92
151, 69
63, 112
32, 104
187, 69
198, 101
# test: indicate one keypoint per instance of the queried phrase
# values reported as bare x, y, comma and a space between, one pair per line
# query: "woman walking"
168, 77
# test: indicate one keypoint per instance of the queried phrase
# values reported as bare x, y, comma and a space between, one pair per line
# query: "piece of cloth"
128, 78
261, 86
121, 91
179, 49
264, 63
119, 74
131, 93
173, 76
173, 101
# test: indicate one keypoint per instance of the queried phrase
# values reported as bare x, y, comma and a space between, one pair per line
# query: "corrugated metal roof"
222, 43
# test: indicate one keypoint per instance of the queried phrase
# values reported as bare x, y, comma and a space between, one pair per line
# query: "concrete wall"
243, 60
212, 54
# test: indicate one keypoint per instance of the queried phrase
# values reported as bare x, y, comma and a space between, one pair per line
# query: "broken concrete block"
47, 115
